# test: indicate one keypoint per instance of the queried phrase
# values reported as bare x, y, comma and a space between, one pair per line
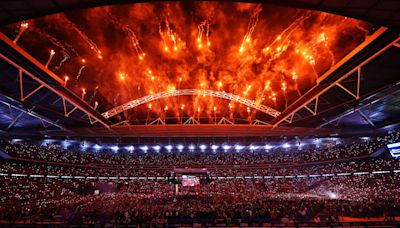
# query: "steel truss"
25, 111
331, 79
191, 92
46, 79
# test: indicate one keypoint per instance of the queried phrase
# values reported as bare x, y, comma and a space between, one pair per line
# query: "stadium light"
226, 147
214, 147
253, 147
65, 144
239, 147
84, 146
202, 147
157, 148
267, 147
97, 147
168, 147
192, 147
114, 148
130, 148
286, 145
144, 149
180, 147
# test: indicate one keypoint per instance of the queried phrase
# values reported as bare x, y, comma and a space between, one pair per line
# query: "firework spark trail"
203, 27
131, 34
250, 27
80, 72
167, 36
63, 46
115, 100
63, 60
91, 43
94, 94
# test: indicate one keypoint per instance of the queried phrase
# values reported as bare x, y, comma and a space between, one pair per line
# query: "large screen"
394, 149
190, 181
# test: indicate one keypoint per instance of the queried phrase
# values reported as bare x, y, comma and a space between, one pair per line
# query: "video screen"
394, 149
190, 181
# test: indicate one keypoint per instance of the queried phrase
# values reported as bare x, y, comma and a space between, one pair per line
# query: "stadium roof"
359, 95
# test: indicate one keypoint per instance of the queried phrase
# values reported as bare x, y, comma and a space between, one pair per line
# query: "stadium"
273, 113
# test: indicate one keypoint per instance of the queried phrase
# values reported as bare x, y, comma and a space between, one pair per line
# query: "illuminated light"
157, 148
166, 108
215, 108
149, 71
96, 104
198, 109
25, 25
214, 147
175, 48
279, 38
114, 148
209, 44
283, 87
239, 147
220, 84
166, 48
153, 78
151, 92
248, 40
99, 51
248, 110
267, 147
203, 147
52, 52
198, 40
332, 195
66, 78
65, 144
140, 57
97, 147
180, 147
279, 48
122, 76
183, 106
286, 145
241, 49
304, 53
180, 79
312, 62
144, 148
169, 148
202, 84
149, 106
294, 76
230, 106
226, 147
200, 46
130, 148
83, 91
253, 147
192, 147
297, 51
274, 98
83, 60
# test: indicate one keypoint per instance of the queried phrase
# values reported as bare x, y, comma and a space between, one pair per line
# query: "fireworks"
148, 49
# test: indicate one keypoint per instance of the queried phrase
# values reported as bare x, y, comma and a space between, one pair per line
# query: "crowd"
200, 158
327, 186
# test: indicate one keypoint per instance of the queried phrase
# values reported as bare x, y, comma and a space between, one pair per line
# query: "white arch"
190, 92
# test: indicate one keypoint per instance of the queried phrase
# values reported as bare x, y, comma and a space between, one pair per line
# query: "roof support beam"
10, 103
29, 66
372, 47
